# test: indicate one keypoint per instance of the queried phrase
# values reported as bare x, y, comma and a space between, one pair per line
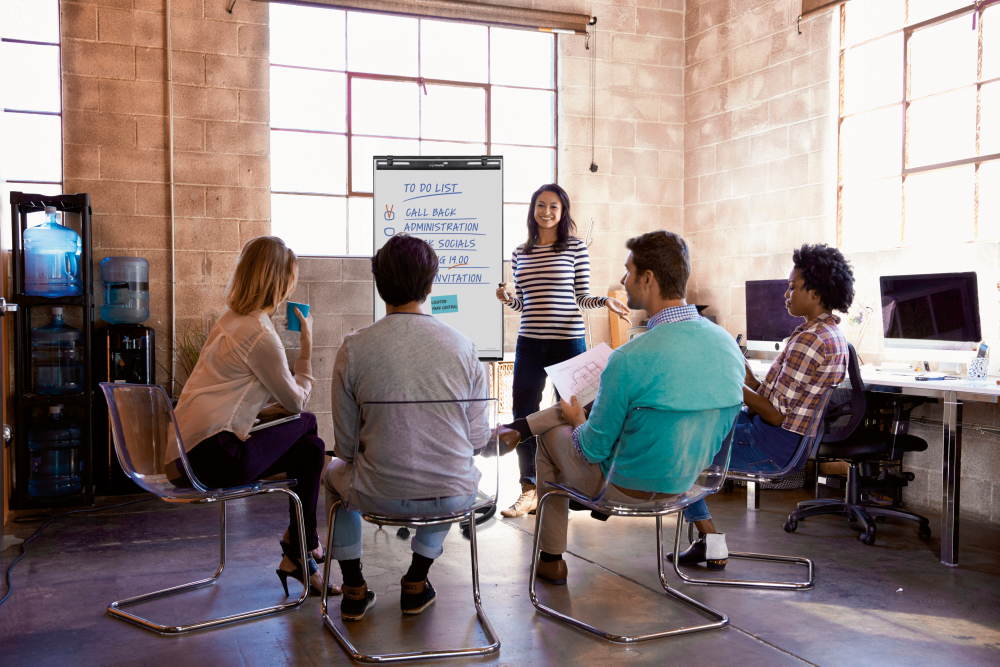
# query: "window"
31, 98
919, 123
346, 86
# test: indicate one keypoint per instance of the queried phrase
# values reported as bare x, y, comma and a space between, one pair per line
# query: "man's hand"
572, 412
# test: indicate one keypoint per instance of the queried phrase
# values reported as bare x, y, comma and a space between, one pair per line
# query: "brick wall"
760, 179
116, 141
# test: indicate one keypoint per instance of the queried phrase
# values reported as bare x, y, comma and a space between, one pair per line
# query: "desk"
952, 393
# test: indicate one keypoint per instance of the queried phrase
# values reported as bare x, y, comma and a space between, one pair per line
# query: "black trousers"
293, 448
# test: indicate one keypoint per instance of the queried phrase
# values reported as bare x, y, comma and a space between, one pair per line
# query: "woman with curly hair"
778, 409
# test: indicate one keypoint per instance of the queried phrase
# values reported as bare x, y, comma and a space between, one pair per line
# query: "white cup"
978, 367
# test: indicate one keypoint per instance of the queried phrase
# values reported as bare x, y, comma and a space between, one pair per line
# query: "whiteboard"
456, 205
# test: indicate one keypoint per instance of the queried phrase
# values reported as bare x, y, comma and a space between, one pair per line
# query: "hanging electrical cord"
592, 37
36, 517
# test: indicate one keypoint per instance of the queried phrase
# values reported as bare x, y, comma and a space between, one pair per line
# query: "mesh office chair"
464, 414
708, 482
872, 435
142, 422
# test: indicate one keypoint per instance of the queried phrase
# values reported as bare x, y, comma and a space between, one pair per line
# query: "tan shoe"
554, 572
527, 502
509, 439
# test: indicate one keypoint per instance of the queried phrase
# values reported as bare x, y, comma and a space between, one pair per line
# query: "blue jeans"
530, 359
428, 540
746, 455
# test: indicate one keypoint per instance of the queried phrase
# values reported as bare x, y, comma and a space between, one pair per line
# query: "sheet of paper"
581, 375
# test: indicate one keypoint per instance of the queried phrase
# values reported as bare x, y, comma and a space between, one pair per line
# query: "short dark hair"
404, 270
825, 270
666, 255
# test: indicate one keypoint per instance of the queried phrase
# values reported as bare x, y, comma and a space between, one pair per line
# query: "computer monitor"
768, 321
931, 317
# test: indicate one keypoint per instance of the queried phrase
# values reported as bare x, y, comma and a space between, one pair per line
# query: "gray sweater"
413, 451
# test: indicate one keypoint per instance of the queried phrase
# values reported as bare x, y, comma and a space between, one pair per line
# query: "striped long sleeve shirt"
551, 288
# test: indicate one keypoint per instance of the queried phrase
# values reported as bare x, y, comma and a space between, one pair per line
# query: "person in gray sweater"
412, 459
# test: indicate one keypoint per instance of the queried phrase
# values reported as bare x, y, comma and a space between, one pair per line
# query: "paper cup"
293, 319
978, 367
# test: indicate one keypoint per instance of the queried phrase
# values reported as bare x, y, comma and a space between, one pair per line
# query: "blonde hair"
265, 276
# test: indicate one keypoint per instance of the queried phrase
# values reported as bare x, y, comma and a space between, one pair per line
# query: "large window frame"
487, 87
908, 31
11, 175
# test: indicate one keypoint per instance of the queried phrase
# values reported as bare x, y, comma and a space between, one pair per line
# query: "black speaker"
123, 353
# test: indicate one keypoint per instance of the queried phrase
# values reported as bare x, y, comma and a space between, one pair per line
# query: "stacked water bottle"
52, 269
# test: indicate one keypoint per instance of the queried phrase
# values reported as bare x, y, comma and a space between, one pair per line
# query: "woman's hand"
503, 294
305, 336
619, 309
749, 379
271, 411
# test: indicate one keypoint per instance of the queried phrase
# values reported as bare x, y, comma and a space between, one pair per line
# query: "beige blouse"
242, 366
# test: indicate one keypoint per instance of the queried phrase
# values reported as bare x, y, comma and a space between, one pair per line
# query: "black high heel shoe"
297, 575
286, 551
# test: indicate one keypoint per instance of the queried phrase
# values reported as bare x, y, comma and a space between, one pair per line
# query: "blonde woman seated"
242, 368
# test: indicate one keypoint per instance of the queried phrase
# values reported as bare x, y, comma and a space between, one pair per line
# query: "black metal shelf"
27, 404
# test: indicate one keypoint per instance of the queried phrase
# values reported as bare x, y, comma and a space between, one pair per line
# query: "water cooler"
122, 353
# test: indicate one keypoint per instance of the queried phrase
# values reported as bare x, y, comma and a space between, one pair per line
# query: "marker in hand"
502, 294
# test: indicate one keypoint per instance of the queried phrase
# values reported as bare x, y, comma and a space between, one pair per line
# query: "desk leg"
951, 476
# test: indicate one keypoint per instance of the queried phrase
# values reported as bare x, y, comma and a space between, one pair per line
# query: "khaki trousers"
558, 461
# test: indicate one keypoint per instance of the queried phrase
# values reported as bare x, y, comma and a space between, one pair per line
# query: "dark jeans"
530, 359
294, 448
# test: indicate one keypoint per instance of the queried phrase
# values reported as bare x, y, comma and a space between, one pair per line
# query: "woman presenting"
552, 284
241, 368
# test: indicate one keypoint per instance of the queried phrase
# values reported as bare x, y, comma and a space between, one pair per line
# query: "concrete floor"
891, 604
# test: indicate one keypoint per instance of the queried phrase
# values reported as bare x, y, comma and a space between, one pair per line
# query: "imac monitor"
768, 321
930, 317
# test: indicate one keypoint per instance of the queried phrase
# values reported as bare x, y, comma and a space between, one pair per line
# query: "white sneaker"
527, 502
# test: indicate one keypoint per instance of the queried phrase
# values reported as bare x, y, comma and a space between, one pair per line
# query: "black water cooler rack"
28, 406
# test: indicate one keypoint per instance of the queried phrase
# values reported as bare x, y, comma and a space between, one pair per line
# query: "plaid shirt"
814, 359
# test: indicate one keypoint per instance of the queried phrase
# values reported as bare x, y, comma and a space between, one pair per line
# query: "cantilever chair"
709, 481
870, 438
143, 425
467, 414
807, 447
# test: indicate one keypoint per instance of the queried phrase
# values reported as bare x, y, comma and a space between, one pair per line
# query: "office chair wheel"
790, 526
924, 532
867, 538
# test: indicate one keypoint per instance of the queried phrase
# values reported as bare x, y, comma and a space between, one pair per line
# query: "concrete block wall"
760, 165
115, 126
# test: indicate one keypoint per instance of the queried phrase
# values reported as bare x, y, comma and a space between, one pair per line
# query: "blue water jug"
56, 356
56, 464
126, 290
52, 259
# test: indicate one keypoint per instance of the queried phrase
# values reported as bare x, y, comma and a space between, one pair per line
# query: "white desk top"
968, 389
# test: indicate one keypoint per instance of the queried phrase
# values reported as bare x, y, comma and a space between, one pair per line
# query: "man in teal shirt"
684, 363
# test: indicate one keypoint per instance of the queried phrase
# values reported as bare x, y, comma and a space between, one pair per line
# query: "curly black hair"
825, 270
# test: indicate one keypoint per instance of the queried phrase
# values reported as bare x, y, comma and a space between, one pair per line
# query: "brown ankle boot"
527, 502
554, 572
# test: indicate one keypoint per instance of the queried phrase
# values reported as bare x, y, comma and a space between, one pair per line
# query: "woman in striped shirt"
552, 284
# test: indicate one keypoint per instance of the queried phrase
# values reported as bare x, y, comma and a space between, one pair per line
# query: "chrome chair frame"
196, 495
468, 514
636, 509
807, 447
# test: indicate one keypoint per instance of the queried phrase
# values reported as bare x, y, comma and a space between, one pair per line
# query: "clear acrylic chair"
146, 440
477, 418
709, 481
808, 445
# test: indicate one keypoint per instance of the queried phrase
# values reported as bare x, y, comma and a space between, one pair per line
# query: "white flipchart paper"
581, 375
